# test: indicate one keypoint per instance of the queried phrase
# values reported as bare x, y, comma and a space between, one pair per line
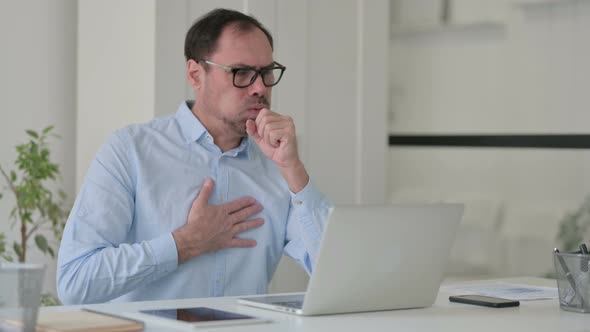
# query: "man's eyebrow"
243, 65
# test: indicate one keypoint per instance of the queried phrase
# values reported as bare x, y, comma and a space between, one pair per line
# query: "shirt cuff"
305, 206
309, 195
165, 253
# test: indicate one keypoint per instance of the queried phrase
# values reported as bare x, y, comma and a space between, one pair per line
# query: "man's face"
222, 104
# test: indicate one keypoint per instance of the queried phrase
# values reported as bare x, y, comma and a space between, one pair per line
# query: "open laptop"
375, 258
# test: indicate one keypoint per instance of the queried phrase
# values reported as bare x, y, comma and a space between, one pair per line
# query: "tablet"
203, 317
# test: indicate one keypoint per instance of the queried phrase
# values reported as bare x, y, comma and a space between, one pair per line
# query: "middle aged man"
200, 203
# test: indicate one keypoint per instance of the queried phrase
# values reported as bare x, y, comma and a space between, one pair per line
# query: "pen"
569, 277
585, 258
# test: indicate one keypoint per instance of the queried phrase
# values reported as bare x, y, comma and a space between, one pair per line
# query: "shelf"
529, 3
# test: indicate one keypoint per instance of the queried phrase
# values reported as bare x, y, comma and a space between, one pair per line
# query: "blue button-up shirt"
118, 244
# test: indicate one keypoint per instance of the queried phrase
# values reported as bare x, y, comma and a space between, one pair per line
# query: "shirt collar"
241, 149
193, 130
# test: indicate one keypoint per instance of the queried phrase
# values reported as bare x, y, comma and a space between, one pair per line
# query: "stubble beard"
238, 124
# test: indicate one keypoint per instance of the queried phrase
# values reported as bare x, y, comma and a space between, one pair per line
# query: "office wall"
116, 71
523, 70
37, 89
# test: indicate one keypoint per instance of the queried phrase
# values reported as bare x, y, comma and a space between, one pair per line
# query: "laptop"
375, 258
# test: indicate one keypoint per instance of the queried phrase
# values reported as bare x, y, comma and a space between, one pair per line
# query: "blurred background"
376, 88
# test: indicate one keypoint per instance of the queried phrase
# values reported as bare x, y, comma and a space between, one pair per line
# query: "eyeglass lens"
246, 76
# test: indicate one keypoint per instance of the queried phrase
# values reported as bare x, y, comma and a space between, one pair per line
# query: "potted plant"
36, 207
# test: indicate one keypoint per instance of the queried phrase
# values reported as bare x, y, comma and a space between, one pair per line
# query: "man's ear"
194, 73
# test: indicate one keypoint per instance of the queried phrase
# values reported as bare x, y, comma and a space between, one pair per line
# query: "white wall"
37, 89
526, 73
171, 86
116, 71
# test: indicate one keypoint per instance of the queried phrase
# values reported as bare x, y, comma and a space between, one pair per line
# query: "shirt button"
298, 202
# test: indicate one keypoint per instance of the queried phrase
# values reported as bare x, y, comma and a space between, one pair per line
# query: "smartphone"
486, 301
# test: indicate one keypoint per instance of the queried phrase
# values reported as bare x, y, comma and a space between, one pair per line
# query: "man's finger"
275, 136
265, 116
244, 213
279, 133
252, 130
205, 193
247, 225
238, 204
241, 243
269, 128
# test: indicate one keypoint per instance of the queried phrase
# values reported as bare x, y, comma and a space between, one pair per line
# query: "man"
203, 202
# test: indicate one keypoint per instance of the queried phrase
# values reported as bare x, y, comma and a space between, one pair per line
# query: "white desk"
543, 315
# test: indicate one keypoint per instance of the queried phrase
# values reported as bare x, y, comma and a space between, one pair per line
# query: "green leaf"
50, 251
26, 217
48, 299
41, 242
32, 133
16, 248
12, 176
47, 130
1, 195
2, 244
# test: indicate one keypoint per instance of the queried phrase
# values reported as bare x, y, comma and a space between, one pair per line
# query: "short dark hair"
201, 38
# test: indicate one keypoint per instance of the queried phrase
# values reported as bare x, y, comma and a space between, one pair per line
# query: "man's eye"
245, 73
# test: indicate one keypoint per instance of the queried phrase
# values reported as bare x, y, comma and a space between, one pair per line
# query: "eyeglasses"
245, 76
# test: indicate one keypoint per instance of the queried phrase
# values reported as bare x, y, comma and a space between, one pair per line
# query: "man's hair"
201, 38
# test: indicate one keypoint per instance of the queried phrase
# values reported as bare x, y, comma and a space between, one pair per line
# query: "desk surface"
542, 315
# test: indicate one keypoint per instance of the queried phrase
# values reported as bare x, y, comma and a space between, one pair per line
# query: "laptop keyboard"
290, 304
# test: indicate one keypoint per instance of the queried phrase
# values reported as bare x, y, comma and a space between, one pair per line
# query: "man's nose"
257, 88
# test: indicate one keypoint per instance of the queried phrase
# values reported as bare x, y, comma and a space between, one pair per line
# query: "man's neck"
221, 136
